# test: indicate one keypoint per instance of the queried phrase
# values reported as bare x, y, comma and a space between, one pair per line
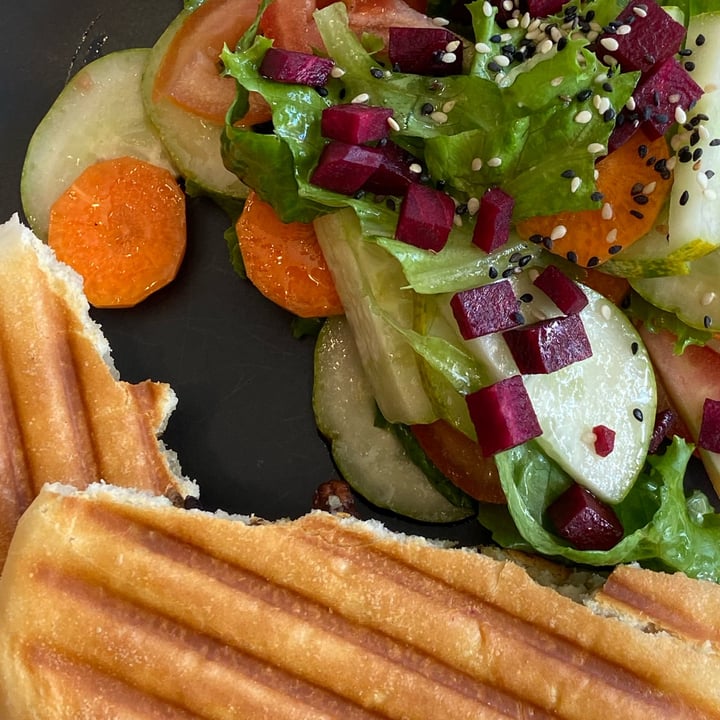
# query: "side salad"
512, 256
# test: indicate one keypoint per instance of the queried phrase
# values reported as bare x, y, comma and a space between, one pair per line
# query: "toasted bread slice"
65, 415
115, 603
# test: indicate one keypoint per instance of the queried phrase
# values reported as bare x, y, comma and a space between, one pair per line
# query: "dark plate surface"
243, 428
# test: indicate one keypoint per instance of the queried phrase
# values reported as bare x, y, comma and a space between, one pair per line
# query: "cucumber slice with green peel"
372, 288
370, 458
706, 53
99, 115
615, 387
193, 142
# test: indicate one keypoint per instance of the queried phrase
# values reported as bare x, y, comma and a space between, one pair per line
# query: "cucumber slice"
614, 387
99, 114
193, 142
371, 286
370, 458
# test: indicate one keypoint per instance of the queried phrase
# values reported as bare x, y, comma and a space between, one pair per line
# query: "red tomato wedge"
460, 460
190, 71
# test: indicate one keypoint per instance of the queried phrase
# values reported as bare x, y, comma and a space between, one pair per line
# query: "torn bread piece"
65, 415
115, 603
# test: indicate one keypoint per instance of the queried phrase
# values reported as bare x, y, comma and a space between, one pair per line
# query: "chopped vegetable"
121, 225
632, 192
486, 309
292, 66
426, 217
355, 123
492, 227
425, 51
566, 294
284, 261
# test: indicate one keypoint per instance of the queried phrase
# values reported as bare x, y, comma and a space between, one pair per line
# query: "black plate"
243, 428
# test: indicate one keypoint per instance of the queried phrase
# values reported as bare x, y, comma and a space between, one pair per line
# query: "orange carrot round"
284, 261
633, 192
121, 225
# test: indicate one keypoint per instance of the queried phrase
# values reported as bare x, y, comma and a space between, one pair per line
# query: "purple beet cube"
543, 8
486, 309
344, 168
425, 51
604, 440
548, 345
709, 435
426, 217
503, 415
393, 175
492, 224
585, 521
291, 66
565, 293
653, 37
355, 123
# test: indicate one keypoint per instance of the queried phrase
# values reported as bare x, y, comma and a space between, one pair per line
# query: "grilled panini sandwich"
65, 415
117, 604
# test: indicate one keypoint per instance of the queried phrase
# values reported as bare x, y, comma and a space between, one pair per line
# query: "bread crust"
124, 595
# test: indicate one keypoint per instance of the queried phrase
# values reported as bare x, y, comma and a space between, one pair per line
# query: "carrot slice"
284, 261
633, 190
121, 225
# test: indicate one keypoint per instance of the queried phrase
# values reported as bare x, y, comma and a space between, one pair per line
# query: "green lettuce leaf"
664, 528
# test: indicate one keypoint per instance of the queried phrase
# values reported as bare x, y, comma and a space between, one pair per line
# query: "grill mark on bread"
451, 609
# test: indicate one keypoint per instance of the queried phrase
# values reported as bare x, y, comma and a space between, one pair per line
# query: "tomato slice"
190, 70
460, 460
290, 24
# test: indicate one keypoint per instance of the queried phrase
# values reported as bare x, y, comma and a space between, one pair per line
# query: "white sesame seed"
702, 180
452, 46
448, 106
534, 24
476, 164
709, 194
513, 22
337, 72
506, 37
649, 188
674, 98
473, 205
525, 20
557, 81
671, 162
605, 311
575, 184
393, 124
707, 298
703, 132
592, 35
559, 231
457, 220
607, 211
361, 98
495, 162
596, 174
440, 21
677, 141
610, 60
623, 30
487, 9
545, 46
595, 147
555, 33
680, 115
631, 104
448, 58
639, 11
502, 60
602, 104
611, 237
415, 168
600, 78
583, 117
438, 117
589, 437
482, 47
508, 5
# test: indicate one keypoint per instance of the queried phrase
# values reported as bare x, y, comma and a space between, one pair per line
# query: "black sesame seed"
427, 108
642, 150
660, 165
390, 204
700, 39
614, 249
321, 91
637, 214
709, 174
568, 174
572, 256
515, 257
524, 260
584, 95
634, 347
548, 242
495, 39
342, 93
526, 297
684, 155
697, 153
707, 321
637, 188
607, 87
641, 199
536, 238
597, 196
377, 73
593, 261
638, 414
715, 142
684, 197
518, 317
650, 161
685, 52
689, 65
609, 115
492, 66
507, 272
492, 272
561, 43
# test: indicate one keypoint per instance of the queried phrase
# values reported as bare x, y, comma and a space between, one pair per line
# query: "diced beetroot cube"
355, 123
426, 217
654, 36
584, 521
291, 66
709, 436
565, 293
486, 309
393, 175
664, 427
604, 440
503, 415
424, 51
492, 225
543, 8
548, 345
344, 168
